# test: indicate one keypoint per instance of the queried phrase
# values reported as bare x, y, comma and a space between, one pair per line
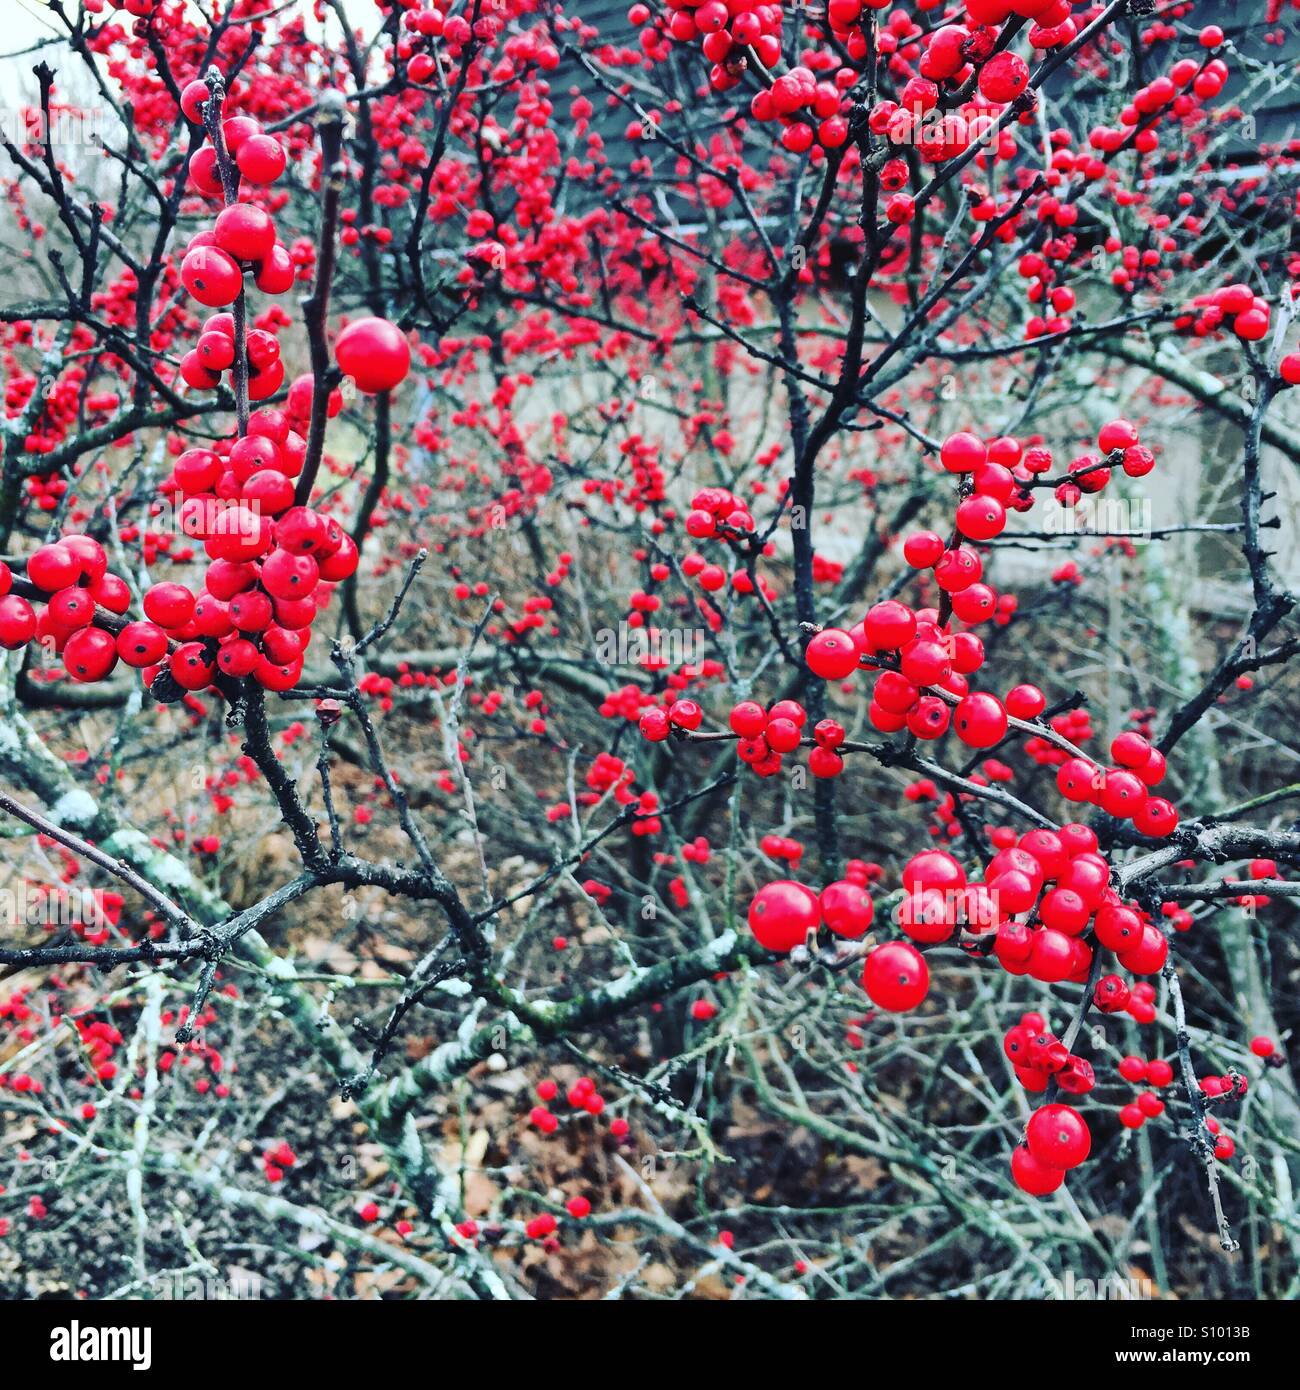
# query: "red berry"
1058, 1136
211, 276
980, 720
896, 976
261, 159
53, 567
245, 231
90, 654
374, 353
17, 622
1033, 1176
846, 908
782, 914
169, 605
832, 654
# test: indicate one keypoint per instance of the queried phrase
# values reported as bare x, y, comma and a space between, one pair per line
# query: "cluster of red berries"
1118, 443
414, 47
72, 578
241, 240
809, 111
729, 31
271, 566
785, 913
277, 1161
1038, 1055
582, 1095
1236, 307
1123, 791
1113, 995
716, 512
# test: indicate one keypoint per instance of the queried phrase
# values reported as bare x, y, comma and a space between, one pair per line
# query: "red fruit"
980, 720
962, 452
194, 96
1149, 955
195, 373
925, 663
1057, 1135
933, 868
301, 531
896, 977
273, 676
825, 762
285, 576
782, 914
197, 470
1052, 958
90, 654
374, 353
1111, 994
268, 490
889, 625
1157, 818
1064, 910
238, 657
190, 666
211, 617
927, 916
89, 554
261, 159
1025, 702
1159, 1072
1118, 434
748, 719
342, 563
957, 570
211, 276
1033, 1176
923, 548
1130, 749
1123, 794
281, 645
251, 611
832, 654
791, 710
981, 517
53, 567
1077, 779
683, 714
203, 172
276, 275
226, 578
1004, 77
169, 605
17, 622
782, 735
71, 608
846, 908
142, 644
1118, 928
244, 231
